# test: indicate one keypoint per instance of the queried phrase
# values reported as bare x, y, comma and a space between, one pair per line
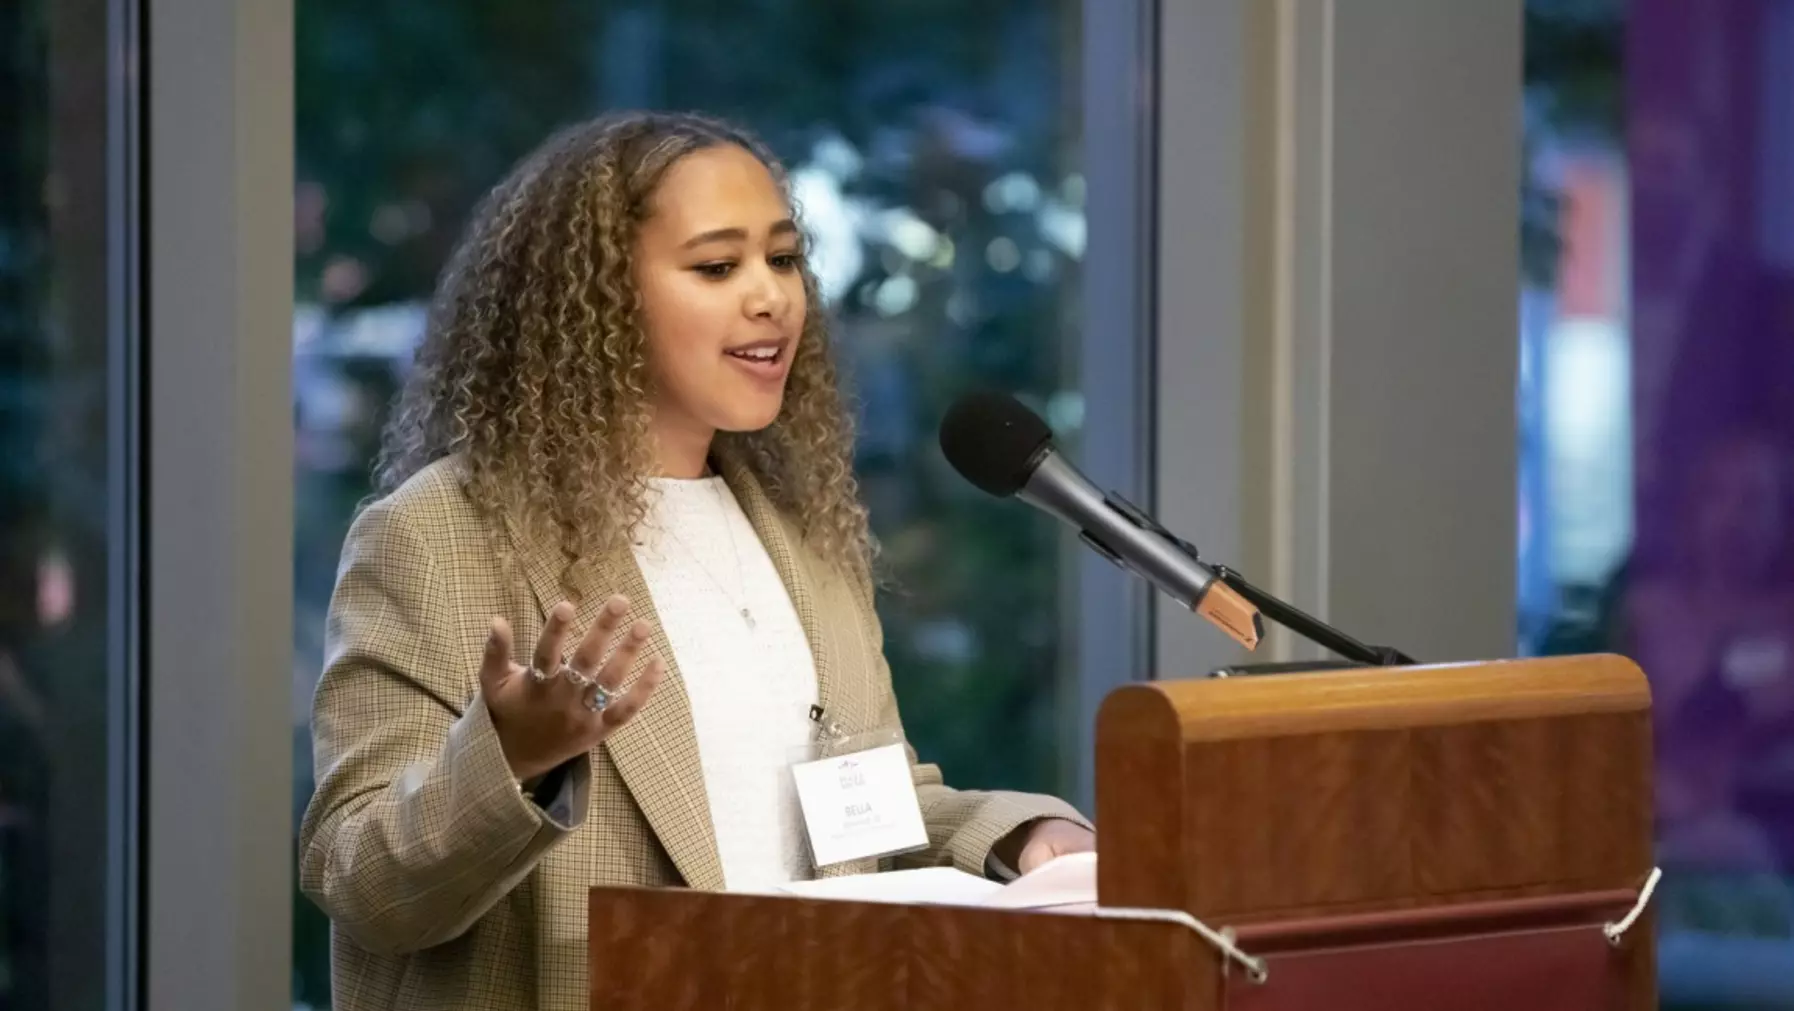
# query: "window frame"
218, 528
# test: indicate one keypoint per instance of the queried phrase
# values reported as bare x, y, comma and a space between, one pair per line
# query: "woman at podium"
615, 586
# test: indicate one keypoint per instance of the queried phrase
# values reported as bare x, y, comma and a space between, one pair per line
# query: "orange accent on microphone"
1233, 613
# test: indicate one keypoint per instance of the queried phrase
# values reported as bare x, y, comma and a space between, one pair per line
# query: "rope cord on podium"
1617, 931
1222, 940
1258, 972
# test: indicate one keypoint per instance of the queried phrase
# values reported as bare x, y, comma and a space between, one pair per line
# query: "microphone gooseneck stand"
1280, 611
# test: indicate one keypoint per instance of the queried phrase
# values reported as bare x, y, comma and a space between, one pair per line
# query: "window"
67, 707
1658, 436
936, 156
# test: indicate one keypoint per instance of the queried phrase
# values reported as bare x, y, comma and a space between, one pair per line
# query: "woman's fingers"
623, 658
601, 661
550, 646
596, 641
495, 661
623, 709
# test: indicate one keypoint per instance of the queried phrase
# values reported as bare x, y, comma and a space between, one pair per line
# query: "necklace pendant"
748, 616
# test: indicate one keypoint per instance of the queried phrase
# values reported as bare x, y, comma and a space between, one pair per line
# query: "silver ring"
601, 698
542, 677
567, 671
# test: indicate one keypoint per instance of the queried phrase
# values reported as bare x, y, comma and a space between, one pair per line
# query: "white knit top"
751, 678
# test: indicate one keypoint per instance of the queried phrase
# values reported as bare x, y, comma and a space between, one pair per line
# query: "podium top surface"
1365, 698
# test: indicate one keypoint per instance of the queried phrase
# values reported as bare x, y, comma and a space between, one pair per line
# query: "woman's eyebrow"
783, 227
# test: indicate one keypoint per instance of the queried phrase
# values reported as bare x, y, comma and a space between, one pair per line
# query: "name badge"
860, 804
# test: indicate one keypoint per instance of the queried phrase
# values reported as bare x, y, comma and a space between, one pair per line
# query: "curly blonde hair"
533, 366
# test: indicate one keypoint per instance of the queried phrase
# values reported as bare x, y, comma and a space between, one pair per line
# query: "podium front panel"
668, 949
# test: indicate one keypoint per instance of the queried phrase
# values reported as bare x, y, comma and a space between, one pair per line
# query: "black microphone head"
993, 441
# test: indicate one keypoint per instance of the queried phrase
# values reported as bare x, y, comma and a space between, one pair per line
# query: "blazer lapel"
657, 751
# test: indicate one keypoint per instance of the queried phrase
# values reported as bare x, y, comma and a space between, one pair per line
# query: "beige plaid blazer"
450, 889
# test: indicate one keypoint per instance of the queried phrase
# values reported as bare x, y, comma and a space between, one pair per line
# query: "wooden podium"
1418, 837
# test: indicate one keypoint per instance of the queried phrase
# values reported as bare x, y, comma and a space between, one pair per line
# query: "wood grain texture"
1359, 790
1541, 954
1364, 791
1305, 809
668, 949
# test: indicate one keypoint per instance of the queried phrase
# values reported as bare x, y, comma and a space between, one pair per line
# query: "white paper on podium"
1063, 882
935, 885
1069, 880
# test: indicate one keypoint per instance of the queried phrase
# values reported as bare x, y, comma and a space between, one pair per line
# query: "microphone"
1006, 450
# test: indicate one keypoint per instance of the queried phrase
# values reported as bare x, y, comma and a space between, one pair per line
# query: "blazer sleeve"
417, 826
963, 825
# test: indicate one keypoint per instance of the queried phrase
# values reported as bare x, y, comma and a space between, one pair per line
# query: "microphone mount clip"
1280, 611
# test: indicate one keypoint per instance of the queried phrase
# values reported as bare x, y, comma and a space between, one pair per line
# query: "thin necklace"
747, 614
